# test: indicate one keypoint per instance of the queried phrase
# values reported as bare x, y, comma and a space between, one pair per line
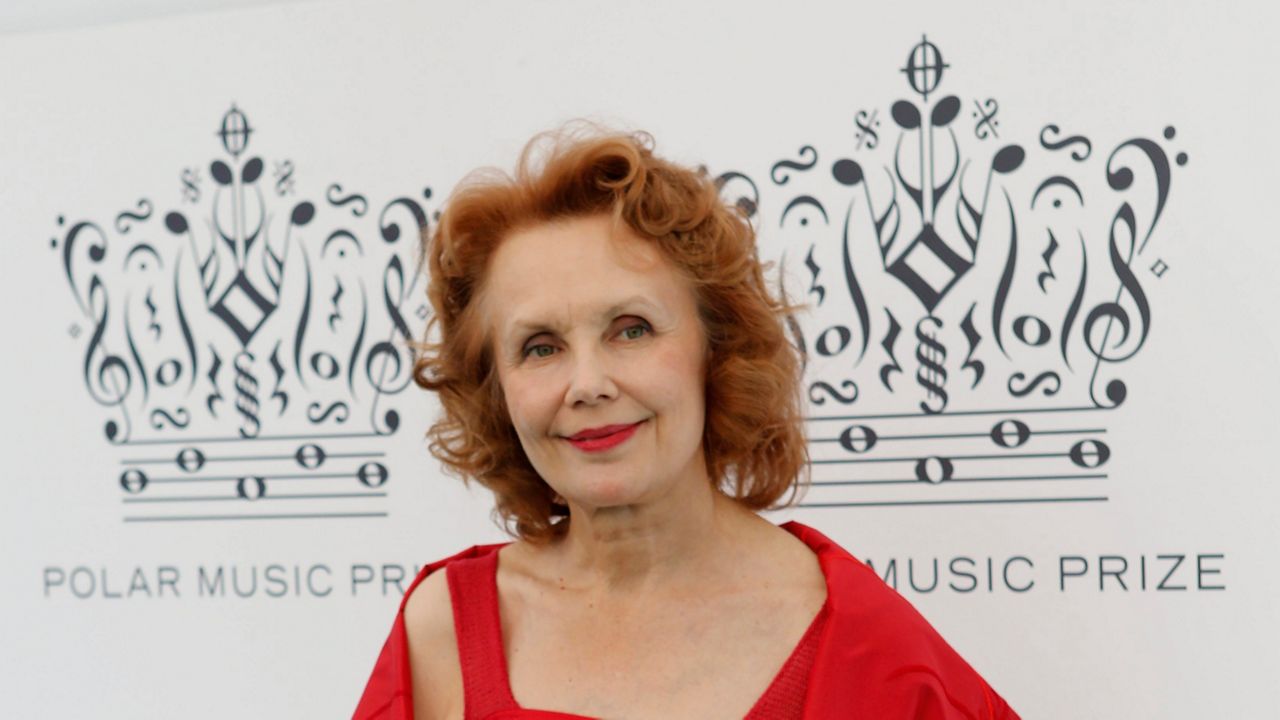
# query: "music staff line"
280, 516
953, 436
918, 481
239, 439
986, 501
998, 456
953, 413
237, 498
255, 458
235, 478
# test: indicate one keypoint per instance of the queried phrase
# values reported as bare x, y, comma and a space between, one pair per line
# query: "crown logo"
236, 344
974, 296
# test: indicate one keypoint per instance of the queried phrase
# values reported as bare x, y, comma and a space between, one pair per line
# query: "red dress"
867, 654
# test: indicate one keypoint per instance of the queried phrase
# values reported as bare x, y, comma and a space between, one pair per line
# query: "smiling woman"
611, 364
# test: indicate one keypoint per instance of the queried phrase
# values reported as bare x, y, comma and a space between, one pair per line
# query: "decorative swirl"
125, 220
1113, 312
855, 289
1057, 181
793, 327
336, 199
97, 252
1006, 280
1121, 178
390, 422
137, 357
187, 338
247, 395
802, 164
391, 232
353, 360
216, 395
303, 317
932, 374
278, 369
107, 377
1049, 144
393, 294
101, 367
815, 287
803, 200
827, 389
338, 410
1116, 392
749, 205
161, 418
890, 340
1030, 387
973, 338
389, 353
1076, 302
1047, 274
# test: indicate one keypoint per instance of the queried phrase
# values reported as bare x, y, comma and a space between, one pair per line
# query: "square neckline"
520, 712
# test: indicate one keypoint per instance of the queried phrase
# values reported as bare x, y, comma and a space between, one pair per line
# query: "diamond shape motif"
243, 308
929, 267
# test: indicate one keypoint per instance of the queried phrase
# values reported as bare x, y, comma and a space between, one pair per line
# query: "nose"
591, 380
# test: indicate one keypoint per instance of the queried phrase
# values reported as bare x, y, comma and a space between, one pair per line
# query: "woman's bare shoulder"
433, 650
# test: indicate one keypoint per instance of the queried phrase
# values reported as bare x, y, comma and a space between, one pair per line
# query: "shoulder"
433, 649
880, 637
431, 643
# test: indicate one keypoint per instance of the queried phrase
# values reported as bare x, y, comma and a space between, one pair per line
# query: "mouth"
603, 438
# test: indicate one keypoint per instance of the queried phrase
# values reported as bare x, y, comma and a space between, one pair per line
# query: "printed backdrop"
1040, 338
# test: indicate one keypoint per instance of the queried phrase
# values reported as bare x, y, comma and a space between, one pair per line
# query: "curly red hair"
753, 441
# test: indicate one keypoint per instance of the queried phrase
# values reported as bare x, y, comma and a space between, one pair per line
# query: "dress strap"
473, 591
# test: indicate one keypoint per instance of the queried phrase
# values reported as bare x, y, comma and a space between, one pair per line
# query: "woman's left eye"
643, 328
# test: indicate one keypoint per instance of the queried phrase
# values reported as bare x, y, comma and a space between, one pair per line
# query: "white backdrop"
1093, 561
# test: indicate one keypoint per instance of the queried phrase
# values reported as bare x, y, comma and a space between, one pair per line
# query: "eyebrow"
520, 326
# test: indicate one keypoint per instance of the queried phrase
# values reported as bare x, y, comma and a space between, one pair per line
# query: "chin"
609, 492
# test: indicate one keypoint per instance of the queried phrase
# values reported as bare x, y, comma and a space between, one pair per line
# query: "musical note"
959, 451
934, 469
252, 478
310, 456
251, 488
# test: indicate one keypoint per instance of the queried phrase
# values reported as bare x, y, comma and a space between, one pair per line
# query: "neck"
670, 545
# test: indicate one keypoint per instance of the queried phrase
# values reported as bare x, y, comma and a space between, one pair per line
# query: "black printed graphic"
245, 345
975, 289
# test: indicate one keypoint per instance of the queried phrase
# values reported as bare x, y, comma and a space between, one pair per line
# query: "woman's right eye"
534, 350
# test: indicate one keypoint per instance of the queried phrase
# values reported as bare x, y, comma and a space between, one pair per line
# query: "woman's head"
605, 286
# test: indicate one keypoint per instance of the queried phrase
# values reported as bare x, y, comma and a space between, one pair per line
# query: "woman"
612, 366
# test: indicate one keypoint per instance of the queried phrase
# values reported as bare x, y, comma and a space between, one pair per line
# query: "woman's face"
592, 330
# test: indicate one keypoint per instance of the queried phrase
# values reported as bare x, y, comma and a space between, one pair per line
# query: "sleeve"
884, 660
921, 692
387, 693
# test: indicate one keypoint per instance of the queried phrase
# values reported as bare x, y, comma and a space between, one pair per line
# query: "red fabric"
473, 591
876, 657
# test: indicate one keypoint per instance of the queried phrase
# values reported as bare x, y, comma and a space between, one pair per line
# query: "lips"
601, 439
599, 432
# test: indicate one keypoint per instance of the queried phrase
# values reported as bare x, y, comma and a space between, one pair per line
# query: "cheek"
530, 406
676, 378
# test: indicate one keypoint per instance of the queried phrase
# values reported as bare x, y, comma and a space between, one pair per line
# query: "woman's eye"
536, 351
641, 327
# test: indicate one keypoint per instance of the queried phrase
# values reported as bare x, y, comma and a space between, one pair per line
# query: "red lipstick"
603, 438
